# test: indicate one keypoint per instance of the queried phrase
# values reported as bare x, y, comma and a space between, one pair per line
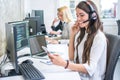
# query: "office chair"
112, 55
118, 23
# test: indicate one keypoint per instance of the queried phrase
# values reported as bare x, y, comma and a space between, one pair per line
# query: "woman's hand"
54, 21
55, 32
52, 41
57, 60
75, 28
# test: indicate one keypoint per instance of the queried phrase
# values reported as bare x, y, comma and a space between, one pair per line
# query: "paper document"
48, 62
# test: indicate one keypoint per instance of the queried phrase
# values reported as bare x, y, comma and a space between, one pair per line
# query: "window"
108, 8
72, 6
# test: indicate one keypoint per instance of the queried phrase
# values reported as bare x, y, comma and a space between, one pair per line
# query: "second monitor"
35, 25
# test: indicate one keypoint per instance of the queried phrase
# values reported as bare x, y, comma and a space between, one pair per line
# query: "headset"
92, 14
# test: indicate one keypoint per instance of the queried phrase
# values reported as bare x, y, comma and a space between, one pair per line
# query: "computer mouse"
28, 61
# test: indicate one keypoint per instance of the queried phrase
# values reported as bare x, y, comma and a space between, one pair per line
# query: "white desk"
51, 72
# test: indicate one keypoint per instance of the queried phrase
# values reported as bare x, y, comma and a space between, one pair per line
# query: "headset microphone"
93, 18
86, 21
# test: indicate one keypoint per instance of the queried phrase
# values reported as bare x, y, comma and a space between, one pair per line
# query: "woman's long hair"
67, 15
92, 29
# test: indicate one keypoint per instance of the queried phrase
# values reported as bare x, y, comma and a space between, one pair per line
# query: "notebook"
36, 42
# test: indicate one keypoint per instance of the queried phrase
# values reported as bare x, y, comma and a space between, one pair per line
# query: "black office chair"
118, 23
112, 55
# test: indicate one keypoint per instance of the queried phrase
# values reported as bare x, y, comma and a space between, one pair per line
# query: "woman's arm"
57, 27
54, 21
74, 30
71, 47
58, 60
77, 67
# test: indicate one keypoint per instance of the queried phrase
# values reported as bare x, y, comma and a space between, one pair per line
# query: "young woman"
65, 22
87, 46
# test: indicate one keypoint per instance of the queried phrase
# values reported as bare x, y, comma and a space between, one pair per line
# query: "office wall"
49, 7
118, 11
10, 10
109, 25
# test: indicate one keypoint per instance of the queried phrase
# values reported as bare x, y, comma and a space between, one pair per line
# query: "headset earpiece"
92, 14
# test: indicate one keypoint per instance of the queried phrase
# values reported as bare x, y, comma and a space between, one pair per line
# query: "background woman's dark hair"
92, 29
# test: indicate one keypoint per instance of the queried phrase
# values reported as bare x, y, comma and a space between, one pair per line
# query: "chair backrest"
112, 55
118, 23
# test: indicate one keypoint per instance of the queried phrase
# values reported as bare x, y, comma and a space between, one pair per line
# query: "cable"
3, 61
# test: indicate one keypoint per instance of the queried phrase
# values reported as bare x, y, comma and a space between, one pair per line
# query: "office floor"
117, 71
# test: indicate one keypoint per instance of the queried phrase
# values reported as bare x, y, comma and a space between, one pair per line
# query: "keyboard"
29, 72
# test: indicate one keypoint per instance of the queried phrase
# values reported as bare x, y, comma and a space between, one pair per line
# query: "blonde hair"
67, 16
2, 45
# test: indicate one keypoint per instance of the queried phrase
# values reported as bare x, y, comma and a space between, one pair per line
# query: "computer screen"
36, 43
17, 38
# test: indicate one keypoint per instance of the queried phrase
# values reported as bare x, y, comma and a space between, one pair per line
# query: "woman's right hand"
75, 28
55, 20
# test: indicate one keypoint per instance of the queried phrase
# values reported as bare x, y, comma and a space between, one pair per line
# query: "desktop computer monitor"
32, 27
40, 13
37, 21
17, 38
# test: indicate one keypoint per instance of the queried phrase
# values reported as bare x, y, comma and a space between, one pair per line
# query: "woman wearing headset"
87, 46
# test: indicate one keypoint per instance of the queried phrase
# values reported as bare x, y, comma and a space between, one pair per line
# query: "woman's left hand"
53, 41
57, 60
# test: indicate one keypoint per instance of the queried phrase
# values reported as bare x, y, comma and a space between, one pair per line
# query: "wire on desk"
3, 61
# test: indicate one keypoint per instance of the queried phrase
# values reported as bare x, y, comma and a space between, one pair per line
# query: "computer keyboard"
29, 72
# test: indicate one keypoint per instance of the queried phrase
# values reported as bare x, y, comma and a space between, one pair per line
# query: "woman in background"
65, 22
87, 46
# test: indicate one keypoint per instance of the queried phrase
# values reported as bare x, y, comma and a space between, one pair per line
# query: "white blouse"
96, 69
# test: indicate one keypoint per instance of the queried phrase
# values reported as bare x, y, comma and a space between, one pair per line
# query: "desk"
57, 37
51, 72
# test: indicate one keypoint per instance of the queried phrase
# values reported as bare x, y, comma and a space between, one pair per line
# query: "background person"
65, 22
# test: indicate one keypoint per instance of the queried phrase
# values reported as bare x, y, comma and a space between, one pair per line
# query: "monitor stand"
13, 73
